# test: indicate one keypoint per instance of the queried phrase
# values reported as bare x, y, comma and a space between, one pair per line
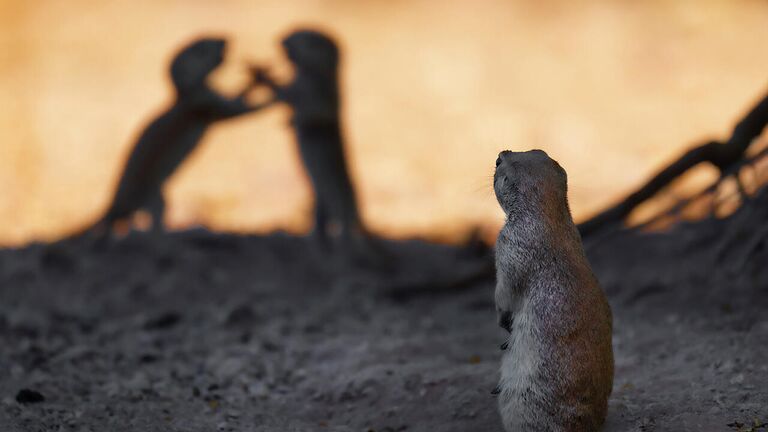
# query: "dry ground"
197, 331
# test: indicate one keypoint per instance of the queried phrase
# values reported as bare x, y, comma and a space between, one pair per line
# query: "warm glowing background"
433, 90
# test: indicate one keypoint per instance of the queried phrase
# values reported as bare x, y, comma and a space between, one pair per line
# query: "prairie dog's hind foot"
351, 248
367, 252
155, 209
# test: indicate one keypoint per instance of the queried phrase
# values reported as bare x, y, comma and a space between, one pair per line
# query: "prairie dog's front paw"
505, 320
260, 75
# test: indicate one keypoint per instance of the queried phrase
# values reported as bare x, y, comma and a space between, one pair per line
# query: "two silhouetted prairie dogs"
313, 96
557, 370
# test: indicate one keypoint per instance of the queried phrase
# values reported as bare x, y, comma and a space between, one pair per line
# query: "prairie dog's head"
196, 61
530, 180
312, 50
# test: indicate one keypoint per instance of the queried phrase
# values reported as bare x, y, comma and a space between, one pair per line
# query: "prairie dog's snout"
504, 178
504, 169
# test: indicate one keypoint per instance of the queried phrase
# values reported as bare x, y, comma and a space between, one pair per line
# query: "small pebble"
164, 321
27, 396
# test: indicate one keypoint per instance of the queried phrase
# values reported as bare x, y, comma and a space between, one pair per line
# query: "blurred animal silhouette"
170, 138
314, 97
557, 372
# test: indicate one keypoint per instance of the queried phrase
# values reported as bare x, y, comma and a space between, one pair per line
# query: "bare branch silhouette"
721, 155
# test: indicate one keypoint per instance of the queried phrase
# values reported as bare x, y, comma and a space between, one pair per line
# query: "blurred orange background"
432, 92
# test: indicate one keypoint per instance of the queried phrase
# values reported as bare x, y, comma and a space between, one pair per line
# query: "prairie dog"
171, 137
557, 370
313, 95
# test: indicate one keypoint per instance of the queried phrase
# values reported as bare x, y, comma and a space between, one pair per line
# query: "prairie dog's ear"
560, 171
561, 177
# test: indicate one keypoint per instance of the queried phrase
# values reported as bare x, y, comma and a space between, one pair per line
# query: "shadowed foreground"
198, 331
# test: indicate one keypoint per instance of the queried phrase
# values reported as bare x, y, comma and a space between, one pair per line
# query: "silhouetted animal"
169, 139
557, 372
314, 97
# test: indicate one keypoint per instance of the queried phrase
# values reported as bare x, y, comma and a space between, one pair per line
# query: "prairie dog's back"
557, 372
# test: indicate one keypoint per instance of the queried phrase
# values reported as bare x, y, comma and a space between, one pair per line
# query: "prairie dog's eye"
498, 161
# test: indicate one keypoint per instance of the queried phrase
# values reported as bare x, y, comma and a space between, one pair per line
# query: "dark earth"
197, 331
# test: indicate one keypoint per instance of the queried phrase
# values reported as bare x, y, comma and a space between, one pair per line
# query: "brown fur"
557, 372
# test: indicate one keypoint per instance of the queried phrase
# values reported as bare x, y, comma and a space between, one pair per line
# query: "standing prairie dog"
313, 96
167, 141
557, 370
